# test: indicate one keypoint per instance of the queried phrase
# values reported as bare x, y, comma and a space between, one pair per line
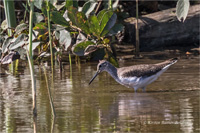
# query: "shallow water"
171, 103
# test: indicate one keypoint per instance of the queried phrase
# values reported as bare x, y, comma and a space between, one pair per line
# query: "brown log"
162, 29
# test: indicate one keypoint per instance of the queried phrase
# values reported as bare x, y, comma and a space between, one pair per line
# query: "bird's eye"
99, 66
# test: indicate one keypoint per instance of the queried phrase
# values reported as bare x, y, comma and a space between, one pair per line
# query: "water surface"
171, 103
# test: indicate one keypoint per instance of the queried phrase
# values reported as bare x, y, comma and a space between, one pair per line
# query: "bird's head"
102, 66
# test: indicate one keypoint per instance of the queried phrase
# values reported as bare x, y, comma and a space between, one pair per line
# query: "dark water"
171, 103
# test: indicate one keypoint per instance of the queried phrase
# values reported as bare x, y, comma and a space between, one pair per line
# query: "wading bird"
137, 76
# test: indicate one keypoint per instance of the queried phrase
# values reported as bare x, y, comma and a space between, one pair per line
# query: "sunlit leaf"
88, 7
78, 49
20, 28
20, 41
115, 4
4, 25
182, 9
60, 6
89, 49
37, 17
5, 45
38, 3
80, 38
12, 56
65, 38
34, 45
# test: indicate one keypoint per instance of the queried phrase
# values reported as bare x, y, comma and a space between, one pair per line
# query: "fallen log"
162, 29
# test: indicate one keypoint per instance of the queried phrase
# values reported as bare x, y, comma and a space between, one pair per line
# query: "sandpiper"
137, 76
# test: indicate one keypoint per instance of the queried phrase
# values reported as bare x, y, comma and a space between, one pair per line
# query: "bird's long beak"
94, 76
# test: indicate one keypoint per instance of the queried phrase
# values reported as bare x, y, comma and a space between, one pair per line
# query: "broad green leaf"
100, 14
5, 45
72, 15
68, 3
182, 9
98, 54
78, 49
37, 17
65, 38
94, 26
19, 42
41, 28
88, 7
108, 21
117, 28
57, 18
20, 28
82, 22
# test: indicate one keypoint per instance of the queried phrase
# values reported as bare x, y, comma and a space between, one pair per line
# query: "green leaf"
37, 17
82, 22
88, 7
41, 28
94, 26
73, 3
72, 15
57, 18
5, 45
18, 42
80, 38
182, 8
108, 21
60, 6
117, 28
78, 49
89, 49
65, 38
38, 3
34, 45
20, 28
100, 14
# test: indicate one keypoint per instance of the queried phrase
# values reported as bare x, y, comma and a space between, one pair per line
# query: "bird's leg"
144, 89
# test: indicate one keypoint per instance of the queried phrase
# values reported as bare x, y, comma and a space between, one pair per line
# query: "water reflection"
105, 106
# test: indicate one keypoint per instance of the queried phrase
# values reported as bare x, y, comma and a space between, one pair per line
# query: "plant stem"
30, 57
137, 32
49, 93
109, 4
50, 39
10, 15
